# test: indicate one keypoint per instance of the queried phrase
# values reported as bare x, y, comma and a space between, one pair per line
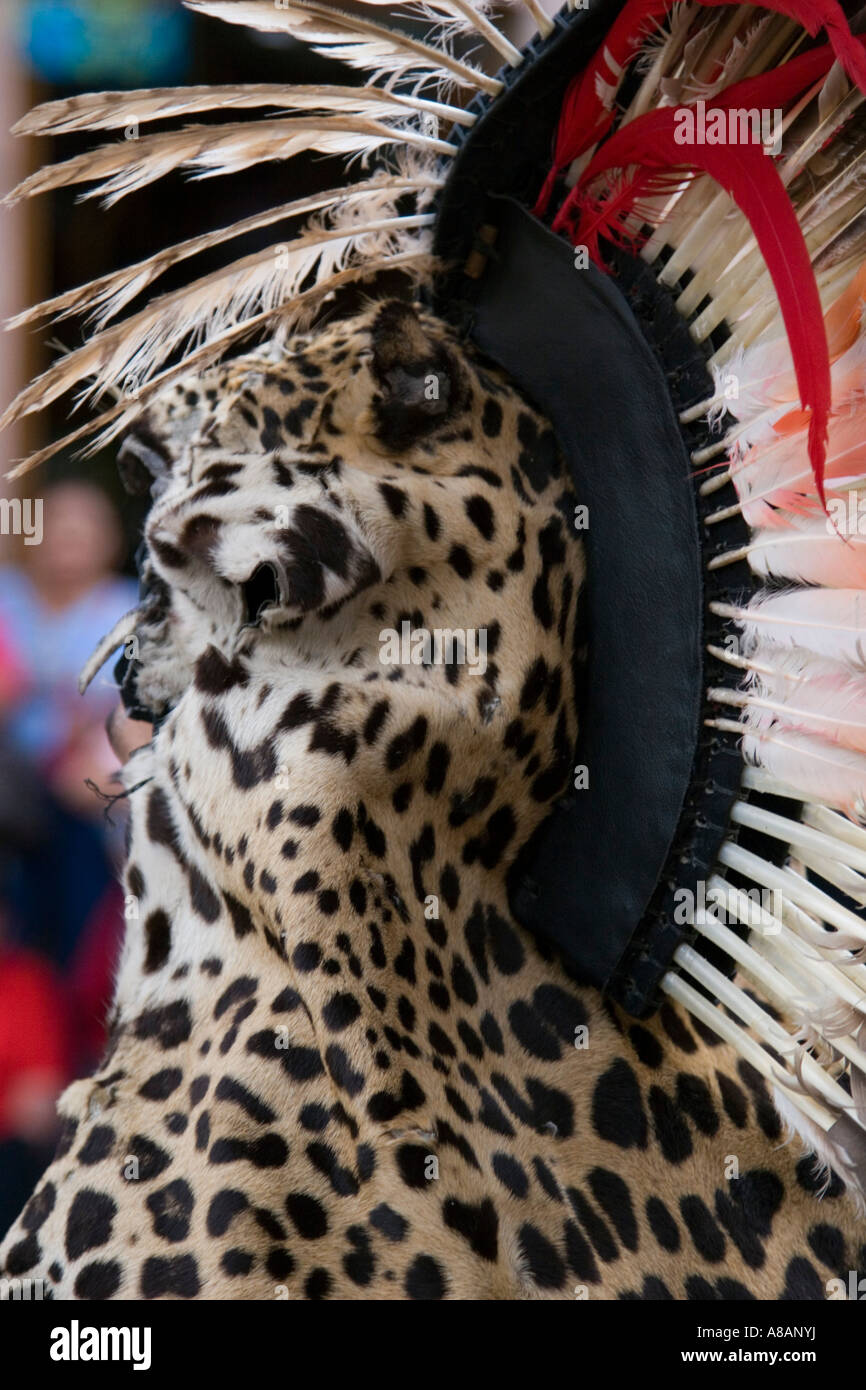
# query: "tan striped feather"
106, 296
117, 110
121, 167
359, 42
111, 423
127, 354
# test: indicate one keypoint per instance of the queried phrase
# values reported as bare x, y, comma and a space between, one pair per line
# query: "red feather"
753, 181
584, 120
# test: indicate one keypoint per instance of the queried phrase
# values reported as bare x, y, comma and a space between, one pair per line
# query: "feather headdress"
763, 248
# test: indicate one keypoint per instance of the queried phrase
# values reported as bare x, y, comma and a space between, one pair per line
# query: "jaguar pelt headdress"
504, 649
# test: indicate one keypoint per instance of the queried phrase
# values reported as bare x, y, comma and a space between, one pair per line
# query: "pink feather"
771, 472
813, 554
816, 769
810, 695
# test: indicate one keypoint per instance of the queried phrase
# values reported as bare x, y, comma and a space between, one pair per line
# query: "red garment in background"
33, 1035
13, 676
90, 984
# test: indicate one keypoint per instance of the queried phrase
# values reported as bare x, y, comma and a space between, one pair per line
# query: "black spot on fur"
307, 1215
89, 1222
214, 675
270, 1151
171, 1208
224, 1207
242, 922
425, 1279
461, 561
233, 1091
671, 1129
157, 938
177, 1275
733, 1099
617, 1109
169, 1026
613, 1196
389, 1223
543, 1261
706, 1236
511, 1174
478, 1224
662, 1224
162, 1084
340, 1011
98, 1280
432, 524
803, 1283
150, 1158
39, 1208
394, 498
491, 418
646, 1045
480, 513
598, 1231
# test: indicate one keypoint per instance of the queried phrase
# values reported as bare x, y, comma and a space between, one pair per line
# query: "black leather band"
571, 341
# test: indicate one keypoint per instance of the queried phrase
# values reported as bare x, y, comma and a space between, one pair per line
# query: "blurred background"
68, 533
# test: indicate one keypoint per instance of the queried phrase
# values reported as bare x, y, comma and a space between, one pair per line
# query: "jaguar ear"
421, 384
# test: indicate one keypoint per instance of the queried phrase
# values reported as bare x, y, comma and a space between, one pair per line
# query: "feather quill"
463, 18
540, 18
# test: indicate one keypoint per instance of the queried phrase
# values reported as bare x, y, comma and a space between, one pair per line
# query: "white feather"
800, 691
827, 622
812, 554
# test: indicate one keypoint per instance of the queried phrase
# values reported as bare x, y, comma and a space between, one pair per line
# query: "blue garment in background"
95, 43
53, 647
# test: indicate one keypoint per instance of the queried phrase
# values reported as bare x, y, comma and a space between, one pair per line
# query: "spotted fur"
338, 1067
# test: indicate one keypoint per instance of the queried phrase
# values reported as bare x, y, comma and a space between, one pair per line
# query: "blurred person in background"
55, 608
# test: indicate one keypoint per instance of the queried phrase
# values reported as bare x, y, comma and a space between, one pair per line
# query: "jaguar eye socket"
261, 591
